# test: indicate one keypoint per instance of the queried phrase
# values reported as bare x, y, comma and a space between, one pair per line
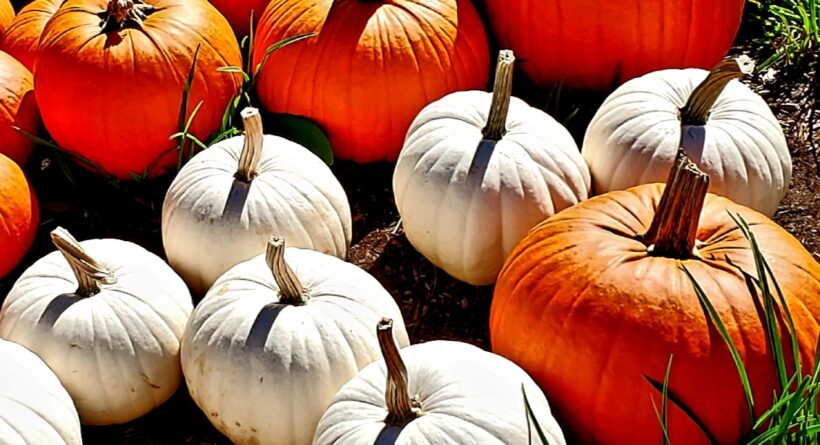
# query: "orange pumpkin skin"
17, 108
598, 45
114, 98
238, 13
371, 69
6, 16
581, 306
19, 215
23, 36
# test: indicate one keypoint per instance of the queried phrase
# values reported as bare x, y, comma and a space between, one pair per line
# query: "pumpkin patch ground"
434, 305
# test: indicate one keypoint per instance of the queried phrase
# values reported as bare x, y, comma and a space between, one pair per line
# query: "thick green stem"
700, 103
121, 14
252, 148
89, 273
290, 289
496, 125
401, 408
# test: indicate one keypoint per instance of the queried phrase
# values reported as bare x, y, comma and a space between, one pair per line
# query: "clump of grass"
790, 27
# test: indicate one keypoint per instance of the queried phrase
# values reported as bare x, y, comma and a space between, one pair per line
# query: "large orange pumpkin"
110, 76
19, 215
591, 311
6, 16
238, 13
600, 44
373, 66
17, 108
23, 35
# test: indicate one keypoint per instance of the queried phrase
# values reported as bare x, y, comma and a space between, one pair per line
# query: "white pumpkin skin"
467, 395
465, 203
116, 352
271, 384
633, 139
212, 221
35, 409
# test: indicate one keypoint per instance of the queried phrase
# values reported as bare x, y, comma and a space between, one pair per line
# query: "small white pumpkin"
460, 395
35, 409
107, 316
723, 126
226, 201
269, 346
477, 171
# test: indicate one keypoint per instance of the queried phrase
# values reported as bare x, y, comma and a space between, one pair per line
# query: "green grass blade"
183, 107
280, 44
531, 418
689, 412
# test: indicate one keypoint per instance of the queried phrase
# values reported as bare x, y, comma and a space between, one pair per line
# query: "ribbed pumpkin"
238, 13
373, 66
6, 16
594, 301
17, 108
117, 69
23, 35
19, 215
600, 44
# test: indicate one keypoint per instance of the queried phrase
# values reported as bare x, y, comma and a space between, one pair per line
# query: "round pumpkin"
729, 131
275, 339
111, 73
225, 203
598, 293
23, 35
238, 13
35, 409
107, 316
372, 67
18, 108
6, 16
496, 166
19, 215
598, 45
439, 392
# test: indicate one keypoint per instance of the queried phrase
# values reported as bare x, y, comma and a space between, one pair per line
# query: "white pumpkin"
35, 409
731, 134
107, 316
437, 393
477, 171
227, 200
269, 346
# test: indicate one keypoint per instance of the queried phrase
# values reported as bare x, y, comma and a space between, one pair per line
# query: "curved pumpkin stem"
700, 103
290, 289
120, 14
401, 408
252, 148
502, 91
90, 274
675, 225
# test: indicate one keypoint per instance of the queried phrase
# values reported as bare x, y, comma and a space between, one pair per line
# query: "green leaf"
304, 132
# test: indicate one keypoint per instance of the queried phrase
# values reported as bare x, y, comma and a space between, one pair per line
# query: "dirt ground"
434, 305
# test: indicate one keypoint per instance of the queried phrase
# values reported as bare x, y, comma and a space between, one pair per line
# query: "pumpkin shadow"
235, 203
388, 435
56, 307
693, 140
262, 325
480, 162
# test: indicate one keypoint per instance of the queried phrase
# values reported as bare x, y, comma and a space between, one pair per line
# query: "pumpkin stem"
401, 408
700, 103
252, 149
90, 274
290, 289
121, 14
675, 225
502, 91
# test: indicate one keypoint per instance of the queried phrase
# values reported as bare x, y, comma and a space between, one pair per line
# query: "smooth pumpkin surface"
132, 79
18, 107
580, 300
23, 35
598, 45
19, 215
373, 66
238, 13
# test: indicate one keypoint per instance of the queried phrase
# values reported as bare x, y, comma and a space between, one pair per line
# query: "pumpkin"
6, 16
284, 331
23, 35
728, 130
18, 108
497, 167
118, 68
435, 393
598, 293
35, 409
389, 60
107, 316
19, 215
239, 13
223, 205
598, 45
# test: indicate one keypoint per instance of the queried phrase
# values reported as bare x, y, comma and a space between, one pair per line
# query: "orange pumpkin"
19, 215
588, 308
373, 66
6, 16
238, 13
23, 36
110, 76
17, 108
600, 44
